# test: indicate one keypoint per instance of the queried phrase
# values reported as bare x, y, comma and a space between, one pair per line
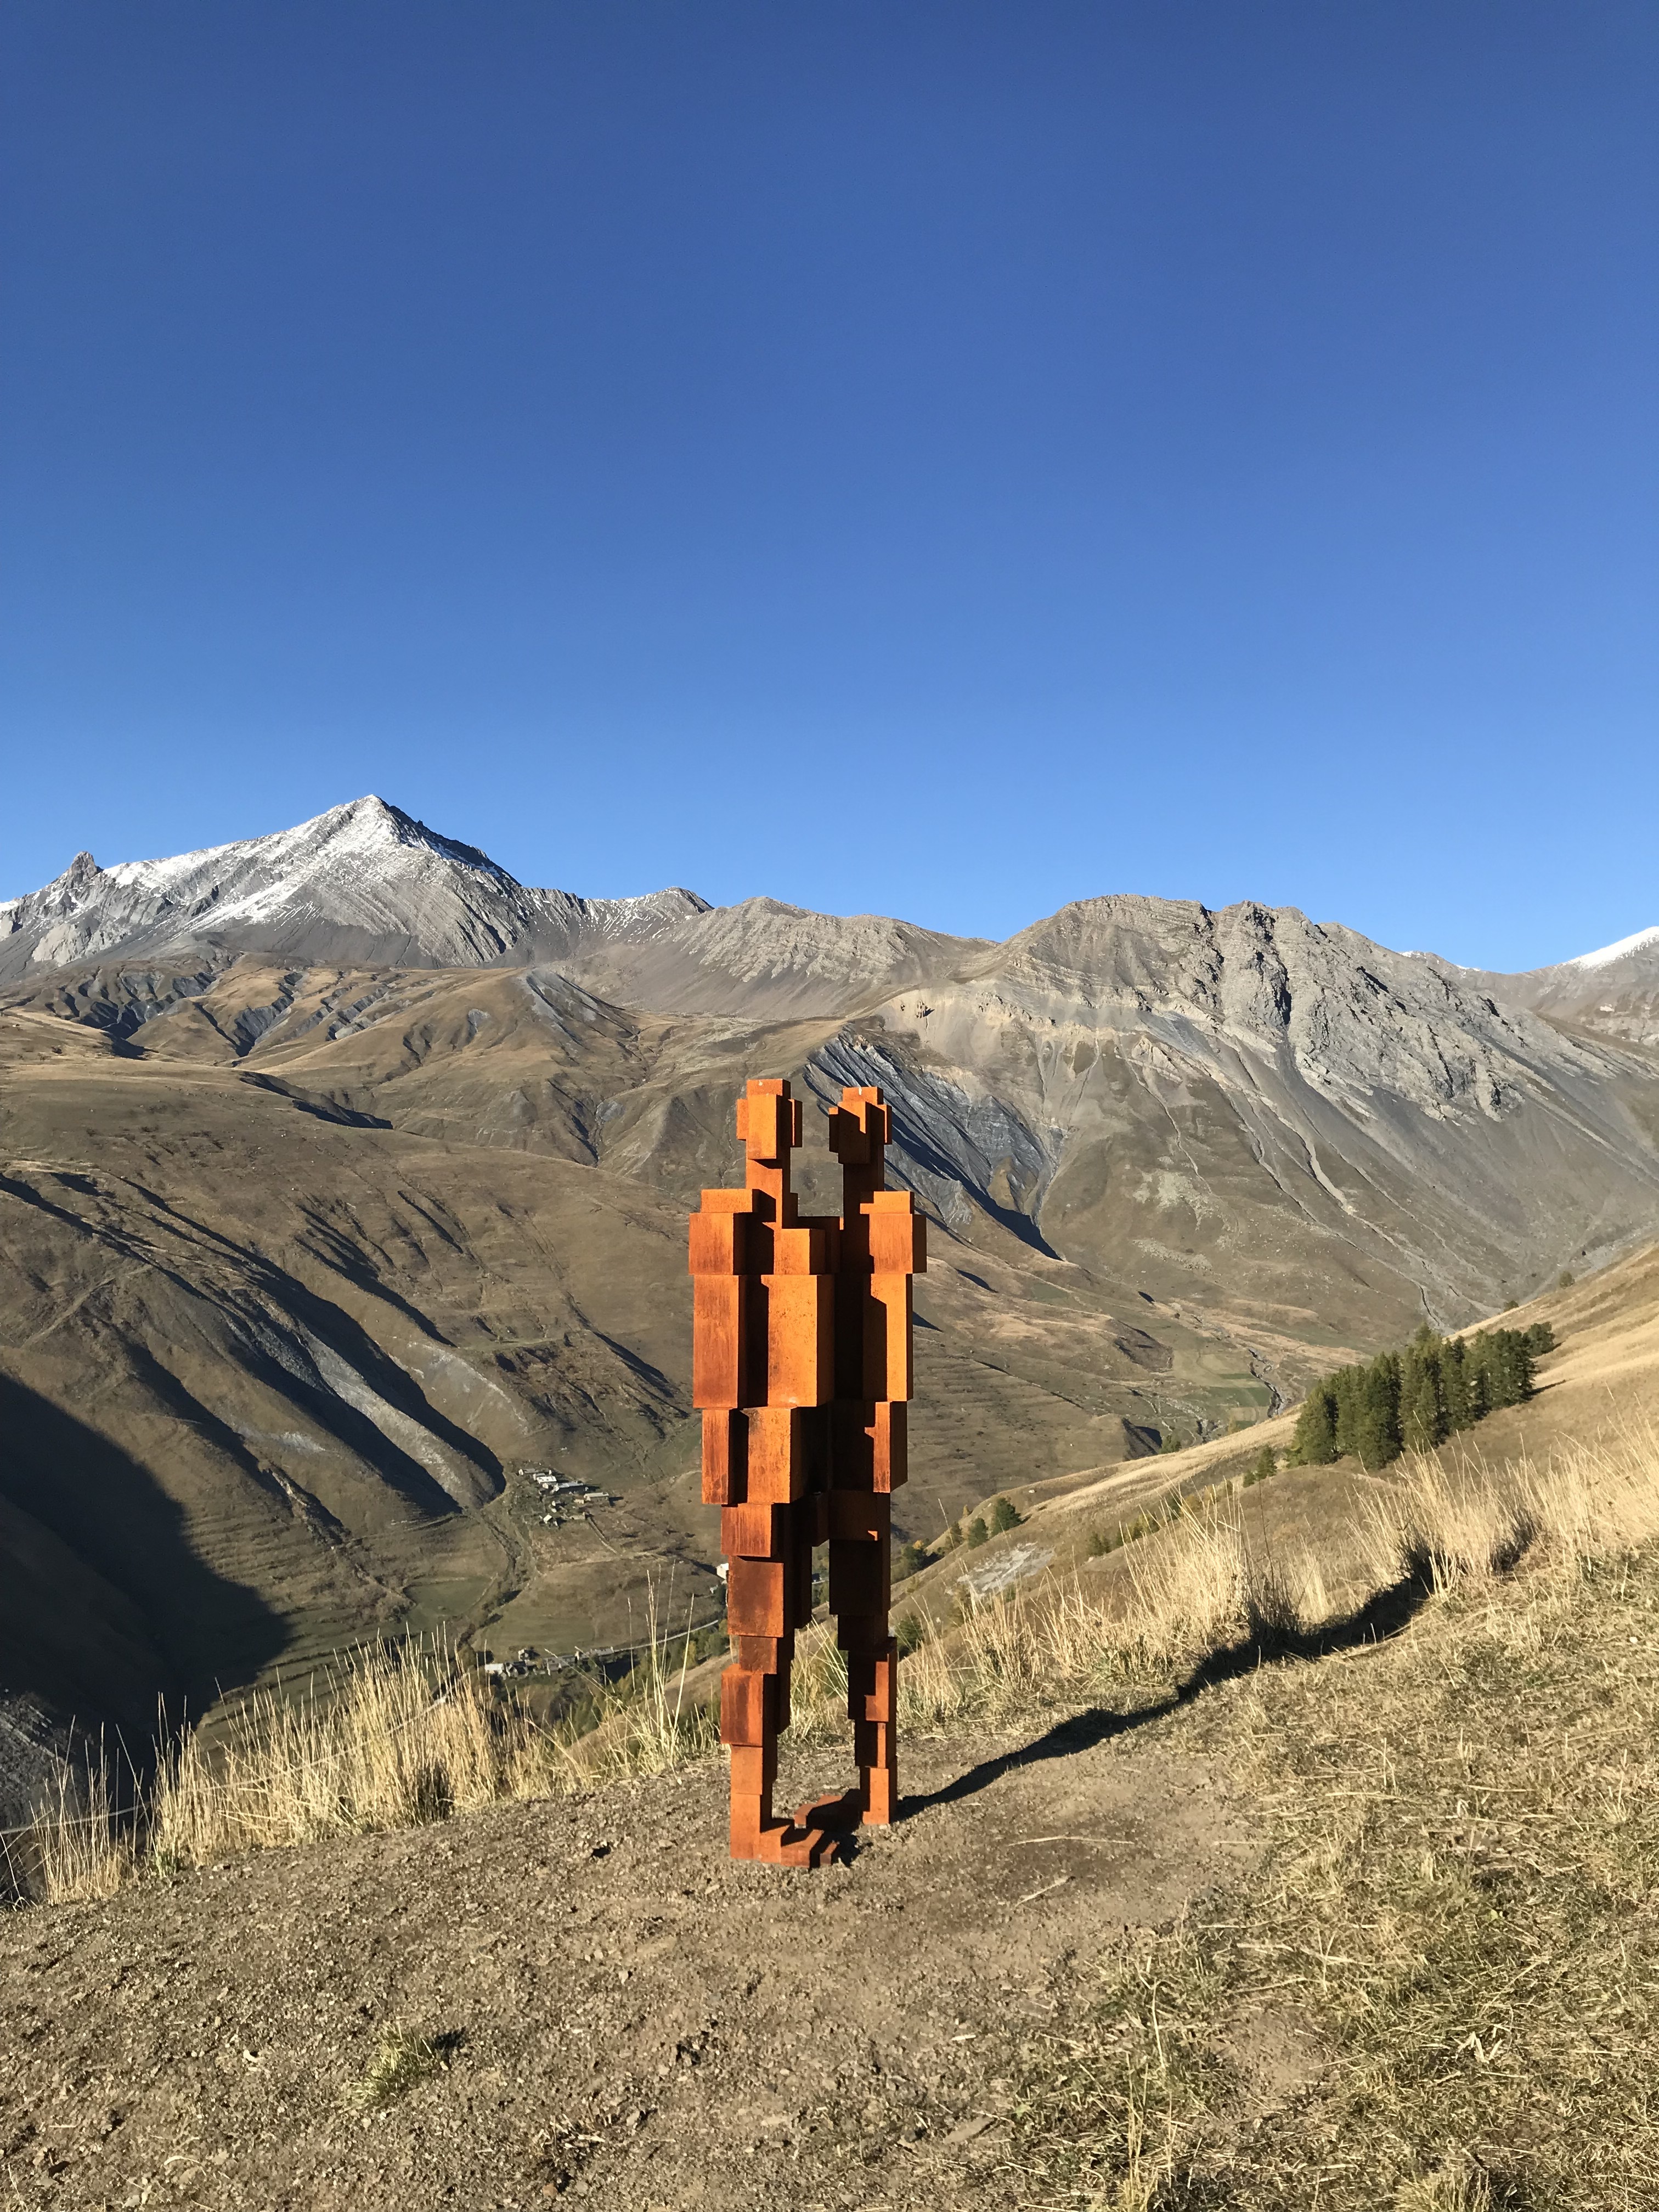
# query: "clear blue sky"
945, 460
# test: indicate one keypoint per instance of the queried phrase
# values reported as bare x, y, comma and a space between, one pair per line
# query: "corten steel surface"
801, 1367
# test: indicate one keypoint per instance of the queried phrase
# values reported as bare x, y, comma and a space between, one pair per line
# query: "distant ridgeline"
1413, 1400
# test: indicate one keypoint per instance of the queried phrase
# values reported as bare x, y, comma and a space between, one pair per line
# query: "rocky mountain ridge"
366, 884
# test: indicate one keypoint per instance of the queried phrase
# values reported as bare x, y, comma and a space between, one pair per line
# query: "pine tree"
1348, 1389
1415, 1399
1422, 1408
1265, 1463
1477, 1375
1526, 1362
1314, 1443
1455, 1385
1376, 1411
1508, 1363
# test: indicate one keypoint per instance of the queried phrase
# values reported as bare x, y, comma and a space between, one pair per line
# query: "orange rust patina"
801, 1368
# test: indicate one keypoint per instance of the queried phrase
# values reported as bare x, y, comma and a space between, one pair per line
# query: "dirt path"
638, 2023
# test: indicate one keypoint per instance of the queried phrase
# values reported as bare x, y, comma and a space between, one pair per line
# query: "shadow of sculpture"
1383, 1616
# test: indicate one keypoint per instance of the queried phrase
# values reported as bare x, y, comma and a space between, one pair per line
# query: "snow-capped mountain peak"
364, 883
361, 829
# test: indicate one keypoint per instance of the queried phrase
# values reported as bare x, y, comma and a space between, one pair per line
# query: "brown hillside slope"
282, 1331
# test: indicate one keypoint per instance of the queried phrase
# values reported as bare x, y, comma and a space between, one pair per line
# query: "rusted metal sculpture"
801, 1367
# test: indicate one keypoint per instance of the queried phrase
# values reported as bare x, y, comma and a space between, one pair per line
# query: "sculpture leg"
768, 1595
861, 1572
873, 1705
752, 1690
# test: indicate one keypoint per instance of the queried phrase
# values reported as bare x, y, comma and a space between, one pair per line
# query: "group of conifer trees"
1413, 1400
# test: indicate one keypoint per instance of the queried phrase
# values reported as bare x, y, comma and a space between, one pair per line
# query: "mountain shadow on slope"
110, 1612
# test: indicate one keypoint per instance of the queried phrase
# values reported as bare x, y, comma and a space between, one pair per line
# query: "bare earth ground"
1377, 1931
641, 2022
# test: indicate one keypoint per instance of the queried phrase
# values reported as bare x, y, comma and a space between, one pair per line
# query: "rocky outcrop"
1261, 1107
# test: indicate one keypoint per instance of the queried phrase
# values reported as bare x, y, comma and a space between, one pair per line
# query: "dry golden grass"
1454, 1935
77, 1849
1194, 1588
647, 1723
387, 1738
393, 1737
1463, 1517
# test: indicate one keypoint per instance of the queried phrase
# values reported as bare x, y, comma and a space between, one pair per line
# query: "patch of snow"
1609, 953
361, 826
364, 866
155, 875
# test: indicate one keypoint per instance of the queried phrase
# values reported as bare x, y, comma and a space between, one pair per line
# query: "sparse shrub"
953, 1536
1563, 1281
1004, 1515
910, 1561
1102, 1541
707, 1642
978, 1533
1265, 1463
910, 1632
402, 2059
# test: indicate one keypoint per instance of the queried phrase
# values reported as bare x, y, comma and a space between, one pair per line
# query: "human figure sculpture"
801, 1366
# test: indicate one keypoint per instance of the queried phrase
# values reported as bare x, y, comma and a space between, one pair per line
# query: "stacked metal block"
801, 1366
